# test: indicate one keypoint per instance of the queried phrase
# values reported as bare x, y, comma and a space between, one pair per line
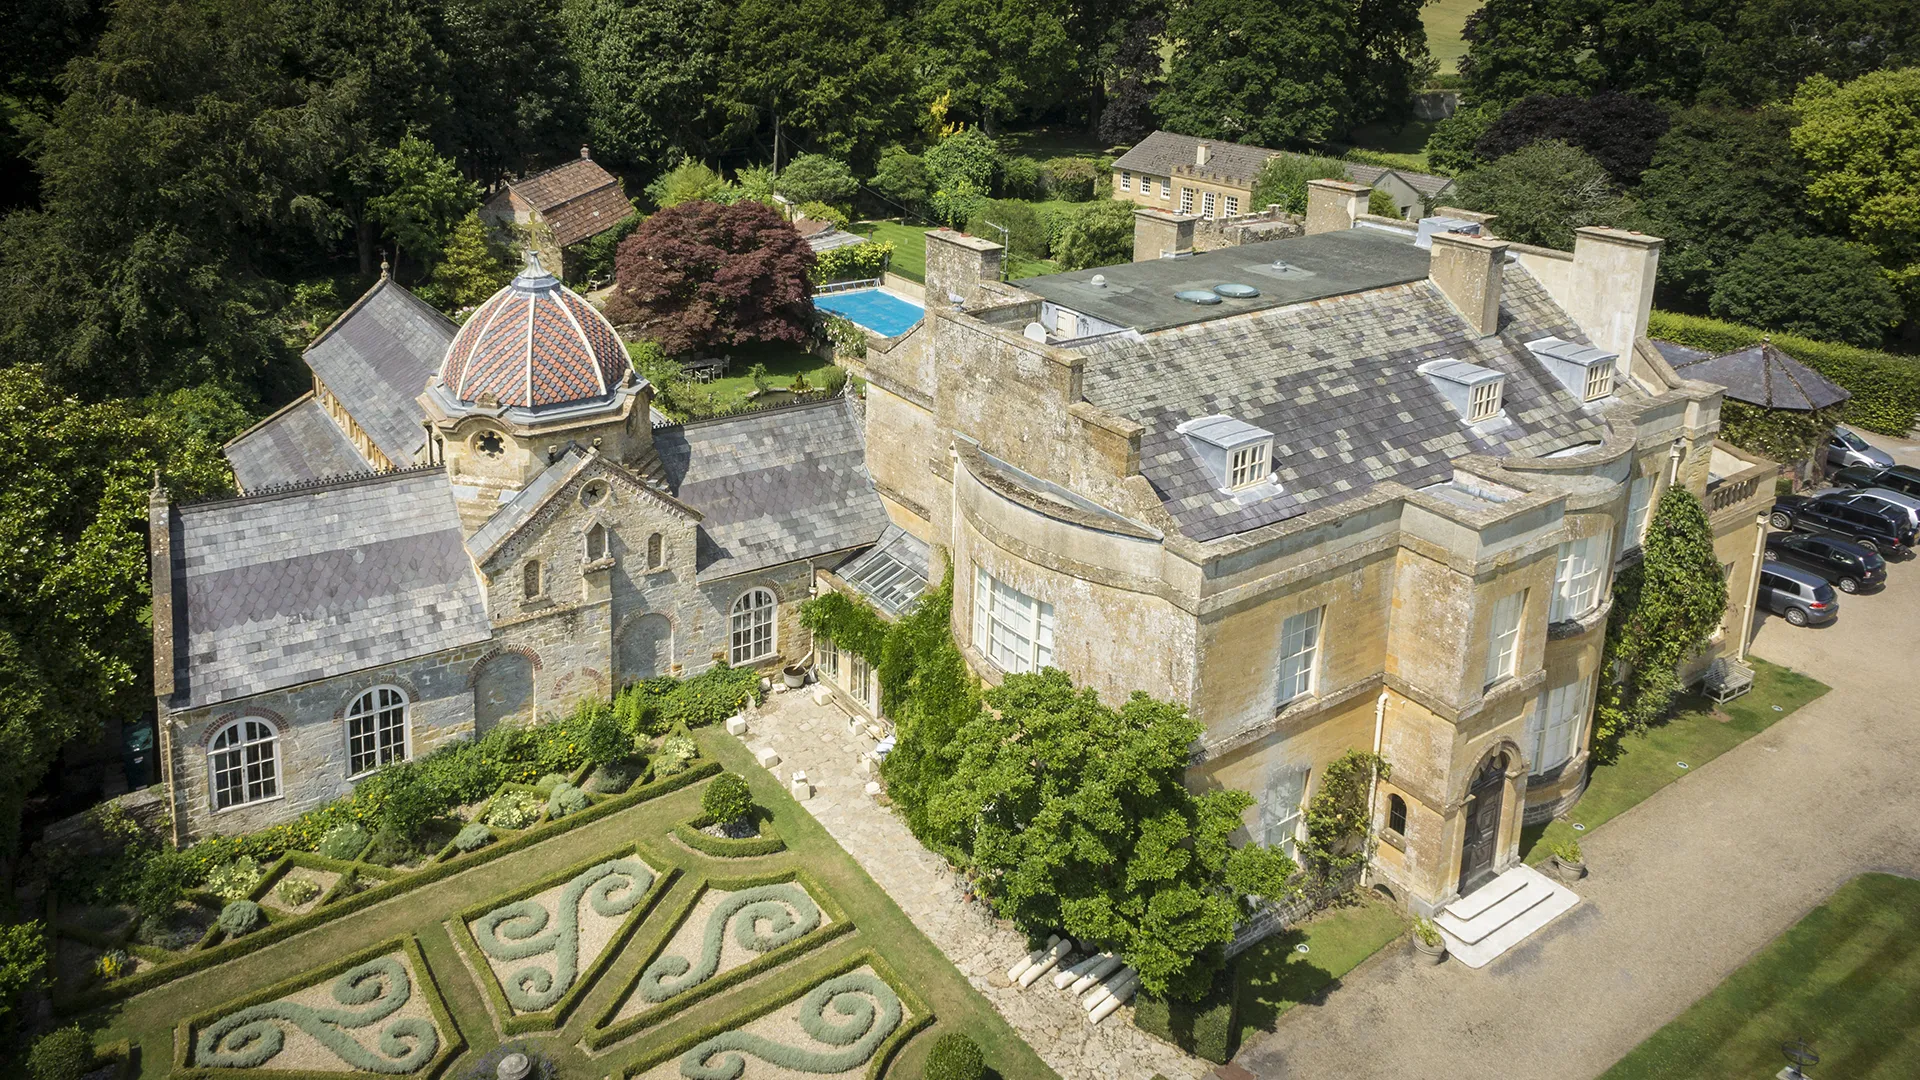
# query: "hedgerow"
525, 929
865, 1011
1885, 387
786, 909
369, 993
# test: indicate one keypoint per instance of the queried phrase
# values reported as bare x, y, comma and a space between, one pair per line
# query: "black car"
1832, 515
1904, 479
1850, 566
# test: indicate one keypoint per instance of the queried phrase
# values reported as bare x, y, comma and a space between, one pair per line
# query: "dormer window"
1586, 372
1475, 392
1239, 455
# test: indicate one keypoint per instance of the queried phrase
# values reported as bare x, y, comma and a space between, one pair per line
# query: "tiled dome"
535, 343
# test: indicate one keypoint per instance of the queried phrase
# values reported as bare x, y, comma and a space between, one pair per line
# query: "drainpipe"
1673, 461
1373, 780
1753, 585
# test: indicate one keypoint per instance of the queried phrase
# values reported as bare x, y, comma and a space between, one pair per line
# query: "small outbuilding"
1775, 405
561, 207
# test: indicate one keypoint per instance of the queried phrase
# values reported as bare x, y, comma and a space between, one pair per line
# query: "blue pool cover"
881, 312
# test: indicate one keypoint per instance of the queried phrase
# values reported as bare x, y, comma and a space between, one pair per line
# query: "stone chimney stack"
584, 156
1467, 270
160, 554
1158, 234
1200, 156
1611, 290
957, 264
1332, 205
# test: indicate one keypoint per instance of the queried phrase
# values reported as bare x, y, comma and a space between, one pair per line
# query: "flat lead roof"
1141, 295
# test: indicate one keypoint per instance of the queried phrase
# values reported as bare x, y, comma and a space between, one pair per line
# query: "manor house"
464, 526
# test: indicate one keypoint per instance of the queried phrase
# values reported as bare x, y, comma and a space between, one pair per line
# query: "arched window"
596, 542
376, 729
1397, 814
656, 551
753, 626
243, 763
530, 578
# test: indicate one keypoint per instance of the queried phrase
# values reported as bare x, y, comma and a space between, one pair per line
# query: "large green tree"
1273, 74
997, 60
422, 198
1860, 144
1814, 286
1544, 192
515, 103
647, 72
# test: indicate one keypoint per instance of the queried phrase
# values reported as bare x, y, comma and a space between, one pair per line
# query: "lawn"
1651, 759
784, 361
910, 249
1274, 976
879, 929
1445, 19
1846, 978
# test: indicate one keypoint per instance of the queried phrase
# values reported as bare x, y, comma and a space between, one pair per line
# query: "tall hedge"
1885, 387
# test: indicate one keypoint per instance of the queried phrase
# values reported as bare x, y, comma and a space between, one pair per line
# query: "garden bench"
1726, 679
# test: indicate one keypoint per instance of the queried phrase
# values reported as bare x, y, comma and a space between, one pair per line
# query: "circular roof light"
1236, 291
1099, 281
1198, 296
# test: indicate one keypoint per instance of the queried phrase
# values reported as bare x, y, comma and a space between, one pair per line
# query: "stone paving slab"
813, 738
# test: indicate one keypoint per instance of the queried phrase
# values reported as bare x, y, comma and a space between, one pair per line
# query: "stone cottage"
561, 207
1363, 488
1214, 179
464, 526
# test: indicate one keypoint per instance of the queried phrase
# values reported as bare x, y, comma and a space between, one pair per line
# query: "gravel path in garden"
814, 738
1684, 888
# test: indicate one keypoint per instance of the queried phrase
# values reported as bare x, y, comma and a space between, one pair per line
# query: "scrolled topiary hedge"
197, 1033
768, 842
334, 906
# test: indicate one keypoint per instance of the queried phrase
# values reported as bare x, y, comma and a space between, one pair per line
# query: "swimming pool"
878, 310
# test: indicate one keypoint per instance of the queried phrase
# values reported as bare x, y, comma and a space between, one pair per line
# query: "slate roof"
1163, 152
377, 358
774, 486
1426, 184
298, 443
1335, 381
1758, 375
284, 588
517, 510
578, 199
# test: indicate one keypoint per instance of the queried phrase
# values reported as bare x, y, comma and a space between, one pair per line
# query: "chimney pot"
583, 152
1200, 154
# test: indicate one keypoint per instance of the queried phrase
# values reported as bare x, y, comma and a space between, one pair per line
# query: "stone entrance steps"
1501, 914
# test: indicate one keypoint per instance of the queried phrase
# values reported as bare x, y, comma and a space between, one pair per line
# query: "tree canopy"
1812, 285
1617, 130
1543, 192
1860, 142
700, 275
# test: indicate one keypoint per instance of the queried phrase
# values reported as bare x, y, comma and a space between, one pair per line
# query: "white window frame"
1284, 807
1599, 381
1247, 465
754, 626
1553, 728
1230, 205
1578, 578
251, 759
1012, 630
1299, 654
1206, 205
827, 656
1639, 511
1484, 400
1186, 200
1503, 636
1126, 180
1166, 188
860, 683
379, 730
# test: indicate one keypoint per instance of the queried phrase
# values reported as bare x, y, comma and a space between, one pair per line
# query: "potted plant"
1428, 946
1567, 861
794, 675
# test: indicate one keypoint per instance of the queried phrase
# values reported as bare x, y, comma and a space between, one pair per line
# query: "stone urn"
1425, 954
1569, 870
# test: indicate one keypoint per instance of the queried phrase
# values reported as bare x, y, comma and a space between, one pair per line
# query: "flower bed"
306, 1027
690, 832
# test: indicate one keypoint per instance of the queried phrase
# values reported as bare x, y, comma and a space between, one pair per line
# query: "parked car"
1797, 595
1904, 479
1901, 506
1830, 514
1844, 448
1850, 566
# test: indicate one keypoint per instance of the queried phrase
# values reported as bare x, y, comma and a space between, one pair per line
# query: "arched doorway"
502, 690
645, 649
1481, 846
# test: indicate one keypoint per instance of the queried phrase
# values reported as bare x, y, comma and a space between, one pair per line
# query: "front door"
1483, 825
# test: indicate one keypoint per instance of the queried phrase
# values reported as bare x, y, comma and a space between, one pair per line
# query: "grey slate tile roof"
1758, 375
1334, 380
524, 502
774, 486
300, 442
1163, 151
377, 357
1426, 184
280, 589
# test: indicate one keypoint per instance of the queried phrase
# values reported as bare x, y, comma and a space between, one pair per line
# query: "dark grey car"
1800, 596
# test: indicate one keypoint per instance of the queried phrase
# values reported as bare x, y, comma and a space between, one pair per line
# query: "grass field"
1846, 978
1651, 759
1274, 976
783, 361
149, 1019
910, 250
1445, 19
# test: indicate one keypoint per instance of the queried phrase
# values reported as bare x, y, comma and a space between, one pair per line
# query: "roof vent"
1237, 454
1432, 225
1476, 393
1237, 292
1099, 281
1198, 296
1283, 269
1035, 332
1586, 372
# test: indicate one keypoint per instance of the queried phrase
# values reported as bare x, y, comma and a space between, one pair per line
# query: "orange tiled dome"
535, 343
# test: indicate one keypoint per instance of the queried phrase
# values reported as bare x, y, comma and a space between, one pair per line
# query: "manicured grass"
783, 361
1274, 976
879, 925
910, 249
1846, 978
1445, 19
1650, 760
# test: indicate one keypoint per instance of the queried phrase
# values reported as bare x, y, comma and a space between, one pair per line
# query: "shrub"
1283, 179
817, 178
566, 799
676, 754
344, 842
391, 848
171, 931
727, 799
545, 785
240, 918
854, 262
900, 177
1206, 1028
1812, 285
64, 1054
1026, 233
1567, 852
613, 779
1021, 178
1381, 204
1101, 236
964, 158
1543, 192
404, 799
113, 964
1072, 179
832, 215
1424, 929
23, 956
514, 810
954, 1057
472, 837
296, 891
234, 880
164, 881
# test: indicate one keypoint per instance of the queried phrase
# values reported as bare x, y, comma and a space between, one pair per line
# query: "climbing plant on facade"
1665, 609
1337, 833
